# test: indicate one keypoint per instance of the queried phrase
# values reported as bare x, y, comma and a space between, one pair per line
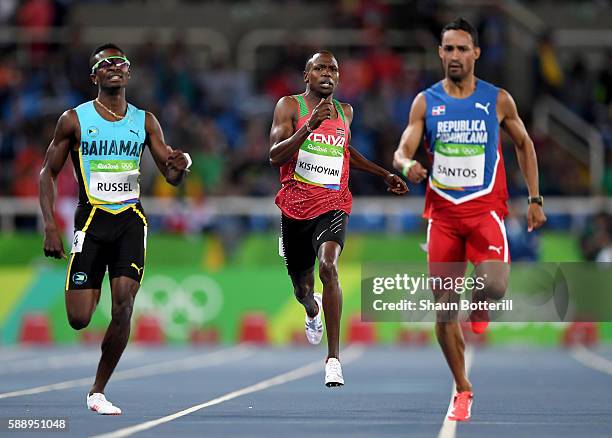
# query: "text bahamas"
104, 148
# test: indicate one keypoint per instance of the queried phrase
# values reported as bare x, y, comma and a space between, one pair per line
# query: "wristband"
308, 128
189, 161
407, 167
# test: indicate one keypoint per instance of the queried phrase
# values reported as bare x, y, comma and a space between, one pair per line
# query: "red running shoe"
479, 320
462, 406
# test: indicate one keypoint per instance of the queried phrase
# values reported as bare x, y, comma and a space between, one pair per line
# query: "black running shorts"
301, 239
104, 240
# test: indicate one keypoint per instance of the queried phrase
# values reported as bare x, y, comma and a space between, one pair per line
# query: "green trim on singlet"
304, 108
340, 110
302, 104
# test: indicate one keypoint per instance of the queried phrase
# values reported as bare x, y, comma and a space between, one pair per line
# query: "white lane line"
72, 359
449, 427
8, 354
51, 362
553, 423
592, 360
348, 355
183, 364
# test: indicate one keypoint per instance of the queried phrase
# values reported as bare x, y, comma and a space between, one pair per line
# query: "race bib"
320, 164
459, 165
114, 181
77, 242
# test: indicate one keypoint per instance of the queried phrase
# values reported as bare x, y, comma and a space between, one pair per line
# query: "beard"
457, 74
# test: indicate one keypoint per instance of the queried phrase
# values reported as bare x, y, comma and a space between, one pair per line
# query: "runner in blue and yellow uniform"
105, 139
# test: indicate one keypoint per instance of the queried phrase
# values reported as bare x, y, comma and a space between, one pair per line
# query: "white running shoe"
333, 373
314, 326
98, 403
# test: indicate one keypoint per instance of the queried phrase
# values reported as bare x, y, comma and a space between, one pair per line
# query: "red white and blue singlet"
463, 142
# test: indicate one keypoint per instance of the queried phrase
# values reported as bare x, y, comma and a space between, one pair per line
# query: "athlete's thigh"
87, 263
445, 243
330, 228
446, 259
86, 267
487, 240
81, 303
495, 274
127, 253
295, 246
329, 252
303, 280
123, 291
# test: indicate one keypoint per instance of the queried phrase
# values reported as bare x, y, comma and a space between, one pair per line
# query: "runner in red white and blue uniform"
465, 201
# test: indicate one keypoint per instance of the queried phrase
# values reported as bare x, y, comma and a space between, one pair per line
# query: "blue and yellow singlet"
107, 162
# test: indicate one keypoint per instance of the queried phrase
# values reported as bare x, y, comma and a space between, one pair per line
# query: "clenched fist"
177, 161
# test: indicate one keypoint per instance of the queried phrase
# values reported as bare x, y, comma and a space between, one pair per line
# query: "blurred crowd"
222, 115
584, 90
596, 239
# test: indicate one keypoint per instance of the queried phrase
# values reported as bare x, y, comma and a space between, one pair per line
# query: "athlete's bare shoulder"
287, 108
348, 111
68, 126
288, 102
504, 97
506, 107
151, 122
420, 96
69, 118
419, 107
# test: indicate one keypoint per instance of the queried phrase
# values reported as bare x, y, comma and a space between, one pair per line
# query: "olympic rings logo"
471, 150
179, 305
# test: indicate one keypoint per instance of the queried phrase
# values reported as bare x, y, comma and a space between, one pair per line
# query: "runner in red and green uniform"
465, 202
310, 143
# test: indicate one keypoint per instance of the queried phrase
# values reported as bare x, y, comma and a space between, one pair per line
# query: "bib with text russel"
114, 181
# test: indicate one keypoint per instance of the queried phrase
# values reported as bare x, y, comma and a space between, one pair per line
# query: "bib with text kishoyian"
320, 160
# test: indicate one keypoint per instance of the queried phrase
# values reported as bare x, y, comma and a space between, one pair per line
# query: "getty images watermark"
410, 285
537, 292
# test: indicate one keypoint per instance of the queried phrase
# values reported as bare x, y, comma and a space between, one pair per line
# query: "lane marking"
348, 355
218, 357
53, 362
592, 360
8, 354
72, 359
449, 427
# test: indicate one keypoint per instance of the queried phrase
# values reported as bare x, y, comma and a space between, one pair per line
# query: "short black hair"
461, 24
318, 52
102, 48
